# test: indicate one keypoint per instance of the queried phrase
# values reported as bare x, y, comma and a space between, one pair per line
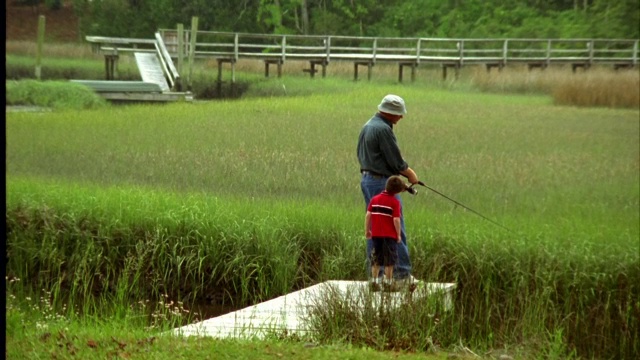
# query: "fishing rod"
413, 191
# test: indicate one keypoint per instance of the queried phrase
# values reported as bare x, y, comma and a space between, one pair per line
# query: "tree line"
618, 19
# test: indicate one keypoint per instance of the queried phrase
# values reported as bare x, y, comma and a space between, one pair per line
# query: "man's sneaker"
374, 286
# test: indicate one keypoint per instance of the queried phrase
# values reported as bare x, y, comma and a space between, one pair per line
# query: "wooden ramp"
288, 313
151, 70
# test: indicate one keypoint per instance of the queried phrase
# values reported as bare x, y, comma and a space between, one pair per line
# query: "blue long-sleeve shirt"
378, 149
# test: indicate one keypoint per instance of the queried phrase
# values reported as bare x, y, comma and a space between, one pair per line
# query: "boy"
382, 225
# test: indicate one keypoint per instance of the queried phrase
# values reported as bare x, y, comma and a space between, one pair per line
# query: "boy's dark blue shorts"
385, 251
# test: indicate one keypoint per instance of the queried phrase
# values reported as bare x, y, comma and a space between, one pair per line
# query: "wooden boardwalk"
408, 53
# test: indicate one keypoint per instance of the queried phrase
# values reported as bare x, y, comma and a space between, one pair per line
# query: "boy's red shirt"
384, 207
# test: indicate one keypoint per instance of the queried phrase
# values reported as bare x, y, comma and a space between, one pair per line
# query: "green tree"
614, 19
398, 18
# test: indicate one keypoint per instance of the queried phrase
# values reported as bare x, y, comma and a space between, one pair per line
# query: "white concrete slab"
288, 313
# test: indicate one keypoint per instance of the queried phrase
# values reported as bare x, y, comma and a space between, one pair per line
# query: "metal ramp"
151, 70
288, 313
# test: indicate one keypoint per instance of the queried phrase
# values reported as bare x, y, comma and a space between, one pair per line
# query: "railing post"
418, 51
548, 60
235, 47
505, 52
41, 26
219, 82
461, 51
590, 45
192, 47
283, 43
635, 53
375, 49
180, 47
327, 44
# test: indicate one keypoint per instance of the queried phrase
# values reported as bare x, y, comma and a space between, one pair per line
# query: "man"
379, 157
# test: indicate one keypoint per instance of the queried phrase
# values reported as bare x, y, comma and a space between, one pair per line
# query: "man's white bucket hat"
392, 104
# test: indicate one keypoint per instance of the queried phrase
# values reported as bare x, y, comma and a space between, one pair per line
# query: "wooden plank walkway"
321, 50
289, 313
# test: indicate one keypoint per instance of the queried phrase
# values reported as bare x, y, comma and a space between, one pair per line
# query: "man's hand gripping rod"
413, 191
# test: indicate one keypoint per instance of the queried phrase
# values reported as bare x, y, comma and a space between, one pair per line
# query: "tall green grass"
52, 95
241, 201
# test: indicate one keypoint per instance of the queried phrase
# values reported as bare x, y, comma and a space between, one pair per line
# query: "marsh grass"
598, 86
198, 251
51, 50
35, 322
377, 320
20, 67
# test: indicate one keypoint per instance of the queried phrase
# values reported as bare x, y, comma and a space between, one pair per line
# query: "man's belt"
373, 173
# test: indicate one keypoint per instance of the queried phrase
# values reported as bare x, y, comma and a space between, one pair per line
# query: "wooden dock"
161, 82
290, 313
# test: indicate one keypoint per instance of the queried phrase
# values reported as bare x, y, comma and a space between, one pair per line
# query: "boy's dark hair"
395, 185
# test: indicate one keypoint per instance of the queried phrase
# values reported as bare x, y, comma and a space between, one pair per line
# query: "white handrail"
238, 45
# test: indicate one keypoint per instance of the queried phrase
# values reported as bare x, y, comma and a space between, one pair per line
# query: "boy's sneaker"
374, 286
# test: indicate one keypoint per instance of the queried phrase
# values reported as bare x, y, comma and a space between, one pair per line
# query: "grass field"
260, 196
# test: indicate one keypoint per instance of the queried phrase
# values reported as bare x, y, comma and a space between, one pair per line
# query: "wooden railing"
234, 46
227, 47
167, 63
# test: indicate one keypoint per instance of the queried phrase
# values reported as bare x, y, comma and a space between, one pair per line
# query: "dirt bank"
22, 23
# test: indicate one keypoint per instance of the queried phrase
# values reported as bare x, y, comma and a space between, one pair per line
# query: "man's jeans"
372, 186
